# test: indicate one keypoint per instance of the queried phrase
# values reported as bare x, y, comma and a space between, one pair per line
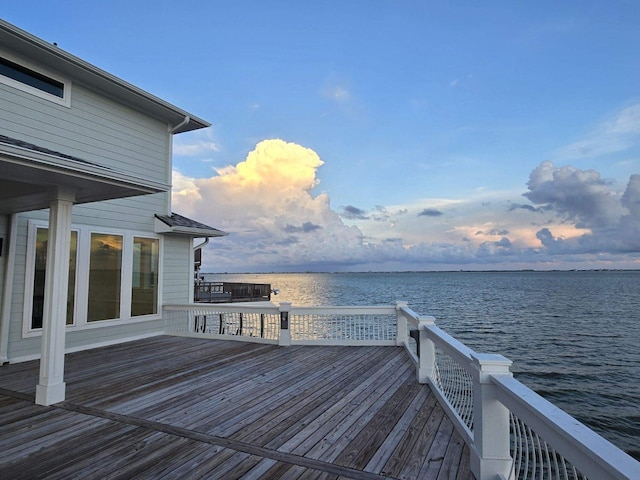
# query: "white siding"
93, 129
178, 270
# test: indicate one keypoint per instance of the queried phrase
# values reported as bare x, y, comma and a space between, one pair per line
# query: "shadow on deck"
191, 408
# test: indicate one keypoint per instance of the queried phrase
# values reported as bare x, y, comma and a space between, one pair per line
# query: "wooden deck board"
172, 407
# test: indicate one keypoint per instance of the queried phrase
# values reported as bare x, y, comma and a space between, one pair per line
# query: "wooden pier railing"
512, 432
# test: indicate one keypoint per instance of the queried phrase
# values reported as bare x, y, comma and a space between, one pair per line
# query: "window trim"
65, 100
82, 278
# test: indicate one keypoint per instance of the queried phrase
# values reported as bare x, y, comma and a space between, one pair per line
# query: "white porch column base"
50, 394
51, 387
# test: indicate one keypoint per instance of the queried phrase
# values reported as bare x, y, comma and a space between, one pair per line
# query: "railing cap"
285, 306
491, 363
426, 320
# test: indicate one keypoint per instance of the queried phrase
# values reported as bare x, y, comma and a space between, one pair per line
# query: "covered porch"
34, 178
180, 407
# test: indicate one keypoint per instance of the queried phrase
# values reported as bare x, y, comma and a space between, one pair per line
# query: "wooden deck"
170, 407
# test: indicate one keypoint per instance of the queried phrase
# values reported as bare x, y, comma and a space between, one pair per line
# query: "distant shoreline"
431, 271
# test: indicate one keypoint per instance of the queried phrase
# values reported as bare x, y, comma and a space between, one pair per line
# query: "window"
144, 284
42, 236
105, 274
31, 78
114, 277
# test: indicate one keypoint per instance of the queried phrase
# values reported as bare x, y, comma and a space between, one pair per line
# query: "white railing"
526, 436
513, 433
343, 325
245, 321
284, 324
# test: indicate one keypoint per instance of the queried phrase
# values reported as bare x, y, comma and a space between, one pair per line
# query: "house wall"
175, 277
98, 130
178, 269
93, 128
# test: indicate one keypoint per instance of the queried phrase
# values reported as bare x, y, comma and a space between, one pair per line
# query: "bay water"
573, 337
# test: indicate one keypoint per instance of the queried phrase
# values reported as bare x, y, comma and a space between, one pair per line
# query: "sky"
387, 135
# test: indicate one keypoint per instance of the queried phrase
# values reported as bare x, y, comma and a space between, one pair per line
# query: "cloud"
580, 195
266, 203
277, 222
582, 198
430, 212
193, 144
306, 227
352, 212
529, 208
335, 88
616, 134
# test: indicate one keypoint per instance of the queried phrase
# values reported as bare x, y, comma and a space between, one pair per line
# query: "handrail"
595, 456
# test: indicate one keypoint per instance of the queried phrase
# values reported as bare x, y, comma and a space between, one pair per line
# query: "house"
89, 247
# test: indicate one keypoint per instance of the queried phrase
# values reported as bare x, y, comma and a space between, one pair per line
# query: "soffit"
30, 177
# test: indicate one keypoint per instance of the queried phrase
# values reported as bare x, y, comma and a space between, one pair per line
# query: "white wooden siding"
178, 270
93, 129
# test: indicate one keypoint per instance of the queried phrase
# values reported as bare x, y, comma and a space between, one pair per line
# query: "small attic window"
32, 81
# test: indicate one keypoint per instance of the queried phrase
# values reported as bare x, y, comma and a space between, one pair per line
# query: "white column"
51, 387
490, 452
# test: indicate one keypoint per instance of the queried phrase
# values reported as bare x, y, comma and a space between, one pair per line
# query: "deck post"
490, 452
51, 386
284, 339
426, 350
401, 324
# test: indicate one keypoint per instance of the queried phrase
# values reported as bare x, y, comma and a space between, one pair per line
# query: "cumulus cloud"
266, 203
581, 197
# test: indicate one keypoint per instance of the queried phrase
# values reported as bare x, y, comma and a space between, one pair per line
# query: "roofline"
84, 72
161, 226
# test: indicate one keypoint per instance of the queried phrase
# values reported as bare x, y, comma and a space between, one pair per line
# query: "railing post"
401, 324
490, 452
426, 351
285, 334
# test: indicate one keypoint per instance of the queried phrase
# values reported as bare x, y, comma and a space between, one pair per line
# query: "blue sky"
387, 135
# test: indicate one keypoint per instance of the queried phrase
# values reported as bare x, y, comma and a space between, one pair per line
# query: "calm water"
574, 337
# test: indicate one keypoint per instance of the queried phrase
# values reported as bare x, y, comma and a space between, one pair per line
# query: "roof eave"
162, 227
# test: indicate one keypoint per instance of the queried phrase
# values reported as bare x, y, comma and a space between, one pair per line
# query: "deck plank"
172, 407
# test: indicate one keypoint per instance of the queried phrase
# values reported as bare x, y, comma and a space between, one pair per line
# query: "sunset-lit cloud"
278, 223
